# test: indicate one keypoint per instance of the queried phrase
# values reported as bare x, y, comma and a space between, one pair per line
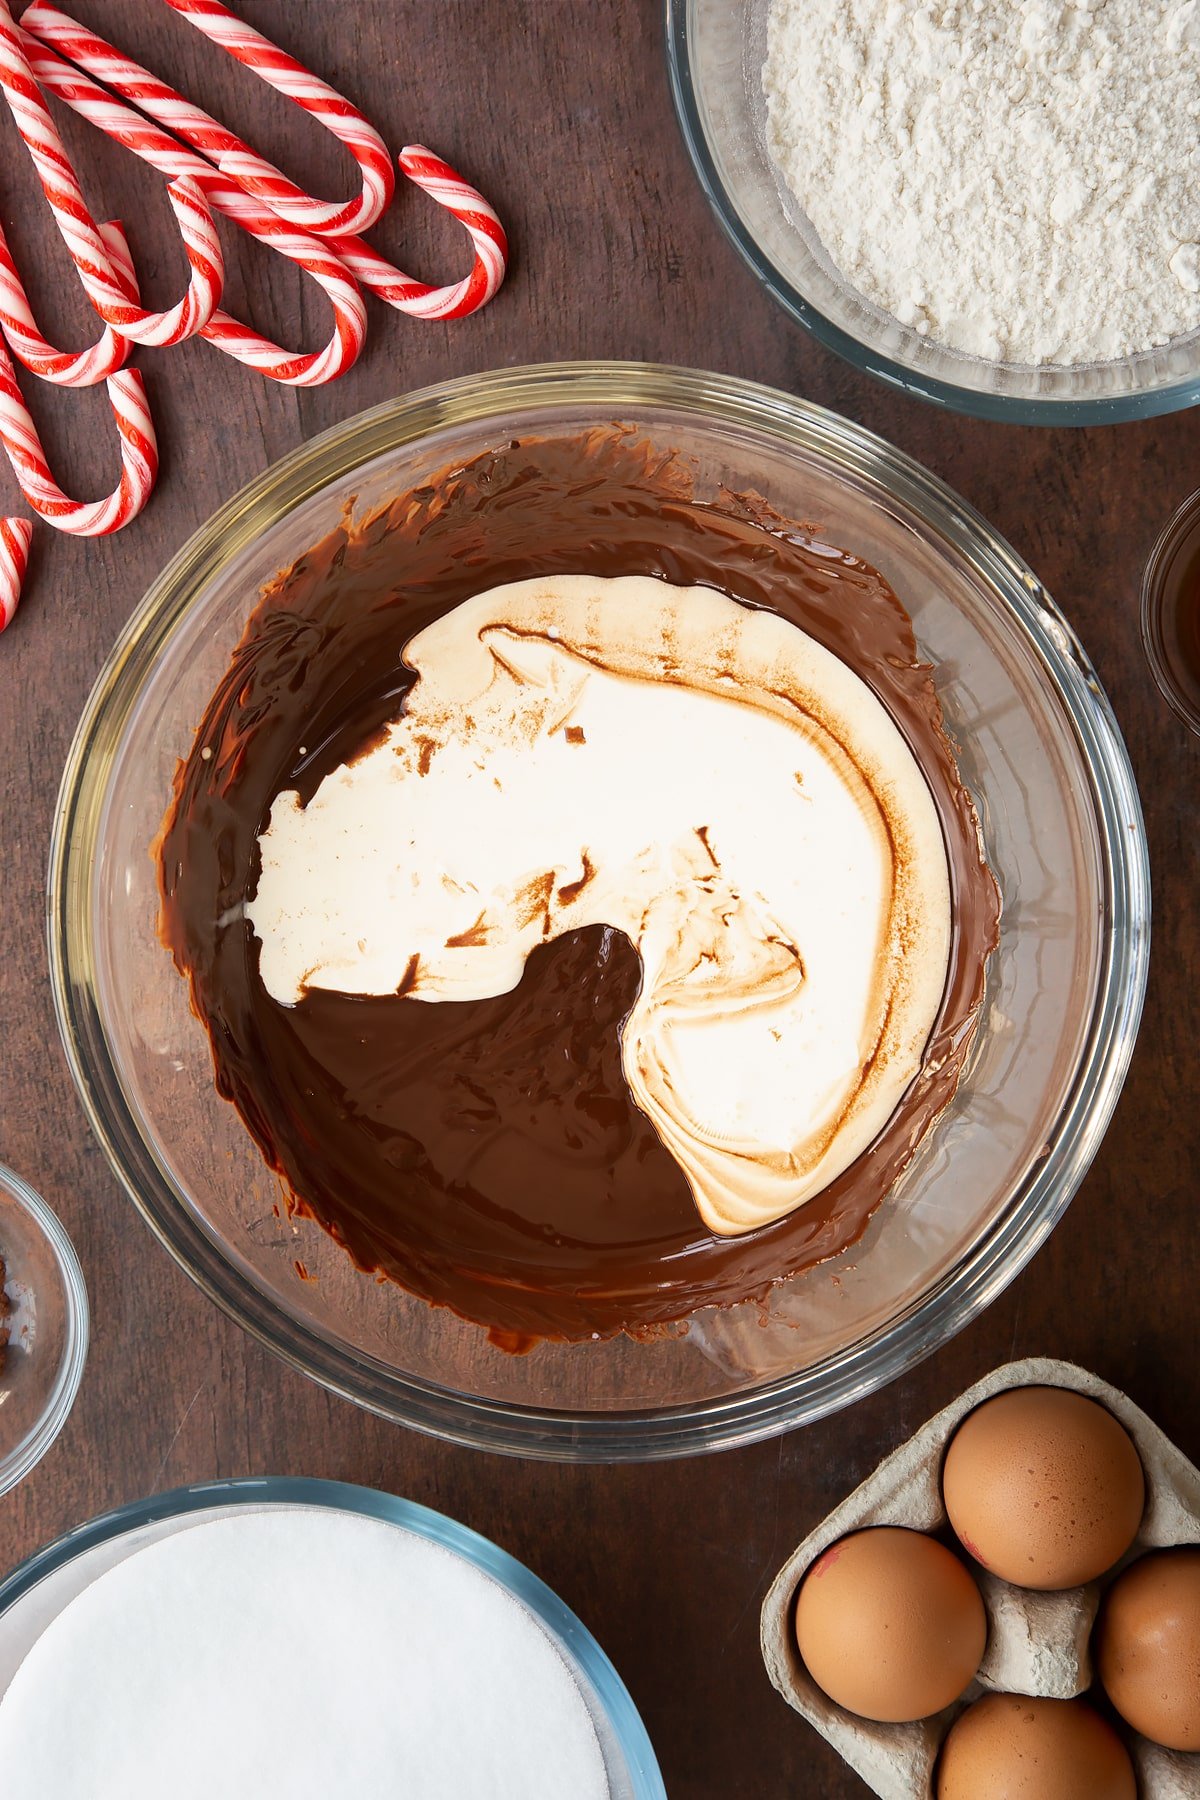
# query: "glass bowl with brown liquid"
1058, 809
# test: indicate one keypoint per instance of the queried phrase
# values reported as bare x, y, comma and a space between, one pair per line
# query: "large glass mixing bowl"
1064, 834
715, 52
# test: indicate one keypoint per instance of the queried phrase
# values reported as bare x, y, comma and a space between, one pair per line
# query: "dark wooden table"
561, 114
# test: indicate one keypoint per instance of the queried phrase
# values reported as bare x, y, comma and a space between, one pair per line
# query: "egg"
1148, 1647
890, 1624
1043, 1487
1009, 1747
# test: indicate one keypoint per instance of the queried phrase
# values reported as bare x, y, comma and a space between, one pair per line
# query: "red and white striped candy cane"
16, 535
83, 48
241, 164
121, 257
79, 230
472, 211
65, 368
171, 158
139, 457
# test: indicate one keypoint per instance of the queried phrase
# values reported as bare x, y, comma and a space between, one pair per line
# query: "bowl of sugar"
291, 1639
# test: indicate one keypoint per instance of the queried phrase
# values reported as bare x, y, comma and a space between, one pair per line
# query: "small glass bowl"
48, 1329
1162, 594
33, 1595
715, 52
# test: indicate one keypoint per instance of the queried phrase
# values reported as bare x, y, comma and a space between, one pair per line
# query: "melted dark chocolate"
487, 1155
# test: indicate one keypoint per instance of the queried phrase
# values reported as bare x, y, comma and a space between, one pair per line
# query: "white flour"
1019, 179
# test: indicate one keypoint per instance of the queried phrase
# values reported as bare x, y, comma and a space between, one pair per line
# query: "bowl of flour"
994, 204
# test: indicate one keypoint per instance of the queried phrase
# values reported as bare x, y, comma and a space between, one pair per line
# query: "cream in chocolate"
701, 776
489, 1152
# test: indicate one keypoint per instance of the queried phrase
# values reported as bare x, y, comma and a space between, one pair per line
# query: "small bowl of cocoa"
43, 1328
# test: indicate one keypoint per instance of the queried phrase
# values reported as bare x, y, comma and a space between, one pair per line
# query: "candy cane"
79, 230
139, 457
241, 164
161, 103
64, 368
468, 206
121, 258
16, 535
147, 141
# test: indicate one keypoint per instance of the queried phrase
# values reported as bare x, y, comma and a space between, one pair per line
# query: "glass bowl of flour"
995, 207
1035, 743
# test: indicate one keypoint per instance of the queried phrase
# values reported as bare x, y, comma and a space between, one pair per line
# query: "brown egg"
1148, 1647
890, 1624
1043, 1487
1008, 1747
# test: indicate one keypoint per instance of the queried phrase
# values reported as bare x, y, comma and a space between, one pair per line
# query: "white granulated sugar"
297, 1654
1017, 179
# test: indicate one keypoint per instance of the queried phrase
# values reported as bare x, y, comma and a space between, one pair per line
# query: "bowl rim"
960, 1294
1011, 409
256, 1491
29, 1451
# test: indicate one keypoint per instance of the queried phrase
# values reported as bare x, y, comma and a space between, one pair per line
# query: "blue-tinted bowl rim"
1003, 407
435, 1527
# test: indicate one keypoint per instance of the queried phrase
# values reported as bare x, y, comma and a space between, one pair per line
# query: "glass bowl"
1063, 826
48, 1329
715, 53
33, 1595
1174, 563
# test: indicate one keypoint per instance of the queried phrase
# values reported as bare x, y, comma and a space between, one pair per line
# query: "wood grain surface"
560, 112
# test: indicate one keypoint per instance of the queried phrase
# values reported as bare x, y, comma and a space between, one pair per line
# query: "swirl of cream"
699, 775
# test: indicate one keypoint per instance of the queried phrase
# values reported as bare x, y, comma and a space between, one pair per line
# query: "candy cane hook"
290, 78
171, 158
139, 457
79, 230
472, 211
16, 535
170, 110
65, 368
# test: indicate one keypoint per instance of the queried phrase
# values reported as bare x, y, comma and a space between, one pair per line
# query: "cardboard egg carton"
1038, 1643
